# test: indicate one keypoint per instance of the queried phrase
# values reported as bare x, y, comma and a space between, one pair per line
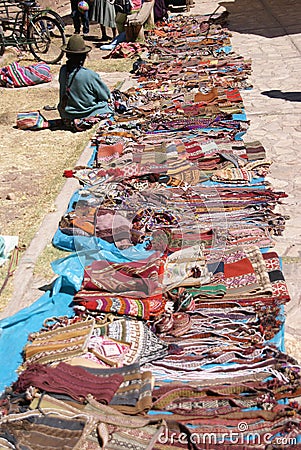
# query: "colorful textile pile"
15, 75
176, 336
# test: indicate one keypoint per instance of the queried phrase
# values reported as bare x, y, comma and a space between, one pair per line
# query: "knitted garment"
145, 346
134, 395
88, 95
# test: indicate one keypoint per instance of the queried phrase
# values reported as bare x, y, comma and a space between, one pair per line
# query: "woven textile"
70, 380
59, 344
144, 308
135, 279
145, 346
33, 430
15, 75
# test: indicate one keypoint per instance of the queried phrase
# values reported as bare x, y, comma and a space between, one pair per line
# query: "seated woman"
122, 16
84, 97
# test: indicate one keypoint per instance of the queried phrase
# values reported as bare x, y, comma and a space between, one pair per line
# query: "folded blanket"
15, 75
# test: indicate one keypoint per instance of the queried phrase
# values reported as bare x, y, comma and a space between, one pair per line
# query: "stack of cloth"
176, 336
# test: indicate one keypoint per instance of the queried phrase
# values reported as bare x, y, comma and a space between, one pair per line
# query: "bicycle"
25, 26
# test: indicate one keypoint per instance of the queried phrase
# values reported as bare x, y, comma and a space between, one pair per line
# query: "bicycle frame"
50, 12
19, 26
41, 15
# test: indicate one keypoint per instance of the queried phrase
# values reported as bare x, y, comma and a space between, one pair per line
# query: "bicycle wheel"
46, 36
51, 13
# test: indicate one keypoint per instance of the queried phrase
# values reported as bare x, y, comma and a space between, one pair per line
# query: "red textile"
70, 380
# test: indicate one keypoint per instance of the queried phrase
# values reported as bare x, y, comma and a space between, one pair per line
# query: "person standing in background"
80, 16
104, 14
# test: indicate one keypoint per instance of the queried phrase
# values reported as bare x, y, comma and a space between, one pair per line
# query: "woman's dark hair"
75, 60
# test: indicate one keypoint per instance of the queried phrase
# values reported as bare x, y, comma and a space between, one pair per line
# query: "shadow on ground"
289, 96
268, 18
67, 19
94, 37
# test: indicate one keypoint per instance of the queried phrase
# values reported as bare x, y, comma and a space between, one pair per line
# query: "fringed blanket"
15, 75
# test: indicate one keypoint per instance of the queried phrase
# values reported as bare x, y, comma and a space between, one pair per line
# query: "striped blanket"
15, 75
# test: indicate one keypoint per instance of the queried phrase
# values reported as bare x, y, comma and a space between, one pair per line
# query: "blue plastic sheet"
14, 330
278, 339
72, 243
225, 49
242, 117
93, 156
255, 183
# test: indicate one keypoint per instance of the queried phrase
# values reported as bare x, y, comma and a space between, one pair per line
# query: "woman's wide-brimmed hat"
76, 44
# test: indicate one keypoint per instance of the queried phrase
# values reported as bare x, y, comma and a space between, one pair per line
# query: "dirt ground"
32, 163
28, 159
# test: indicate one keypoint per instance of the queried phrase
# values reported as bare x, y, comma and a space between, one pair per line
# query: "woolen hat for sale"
76, 44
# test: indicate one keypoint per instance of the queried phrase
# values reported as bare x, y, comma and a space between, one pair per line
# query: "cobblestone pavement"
269, 33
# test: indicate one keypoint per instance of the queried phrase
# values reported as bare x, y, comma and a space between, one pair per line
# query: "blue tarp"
14, 330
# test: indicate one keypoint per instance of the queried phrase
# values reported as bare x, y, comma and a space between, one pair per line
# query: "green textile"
88, 95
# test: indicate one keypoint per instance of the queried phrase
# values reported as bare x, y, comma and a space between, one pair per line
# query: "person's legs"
90, 12
75, 16
104, 36
120, 38
114, 31
85, 21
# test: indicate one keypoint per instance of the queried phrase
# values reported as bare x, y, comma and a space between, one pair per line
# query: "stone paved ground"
269, 32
